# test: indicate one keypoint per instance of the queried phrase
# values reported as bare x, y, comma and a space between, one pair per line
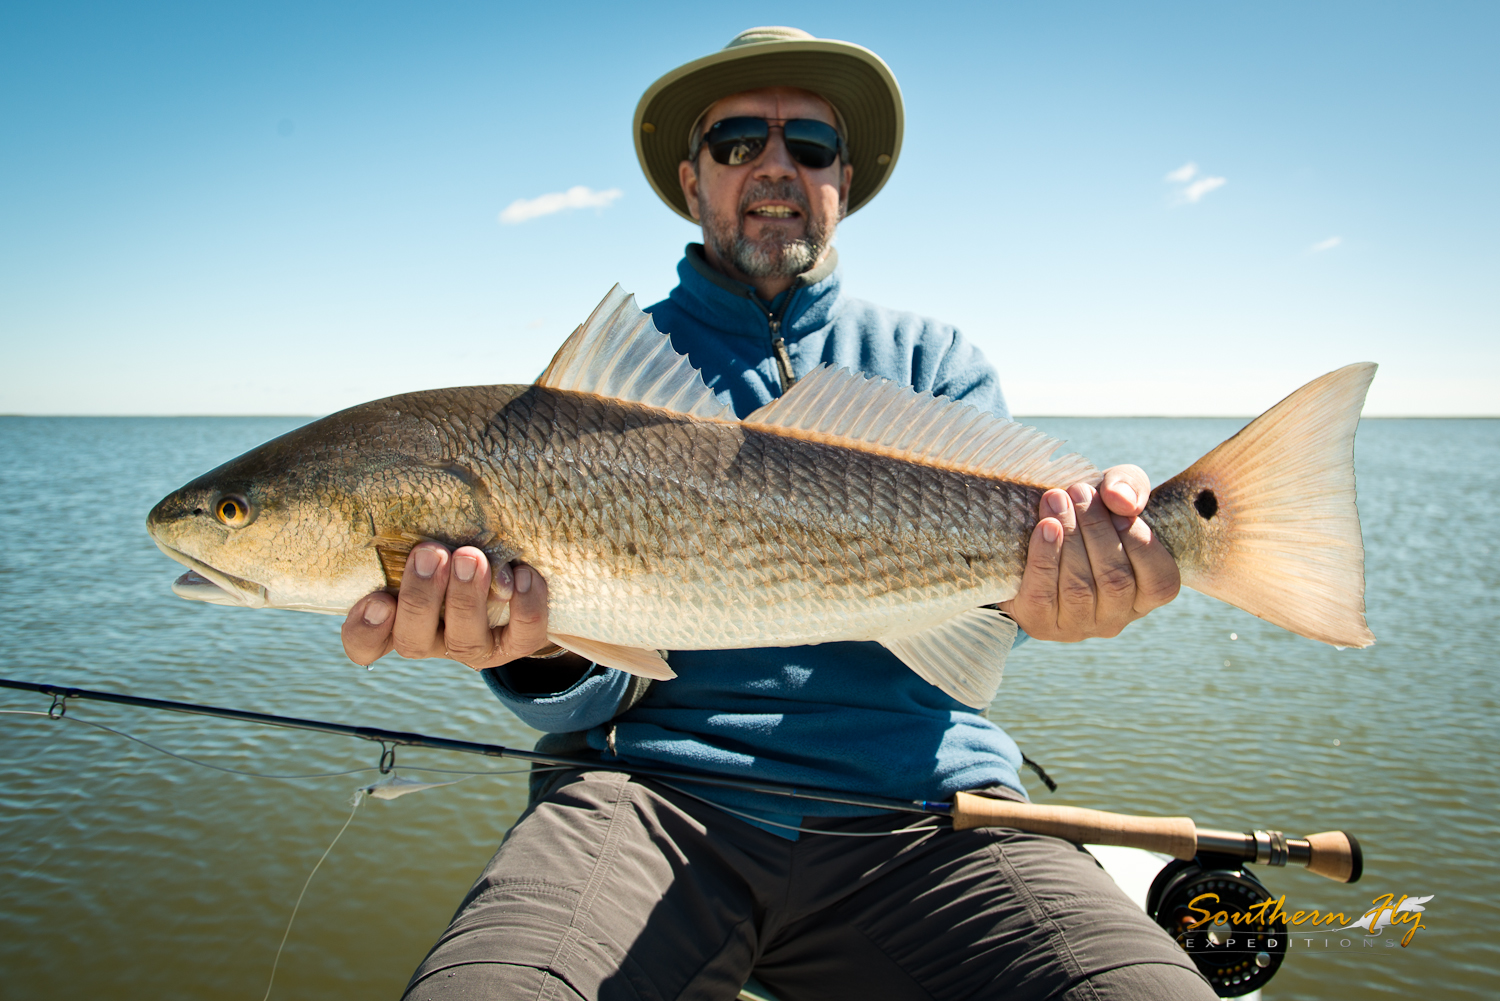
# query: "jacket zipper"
778, 345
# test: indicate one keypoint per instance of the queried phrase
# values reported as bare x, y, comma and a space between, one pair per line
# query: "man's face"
771, 217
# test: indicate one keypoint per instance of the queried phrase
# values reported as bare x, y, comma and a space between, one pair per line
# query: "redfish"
849, 509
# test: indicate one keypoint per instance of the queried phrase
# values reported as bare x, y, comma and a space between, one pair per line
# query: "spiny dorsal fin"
619, 353
842, 407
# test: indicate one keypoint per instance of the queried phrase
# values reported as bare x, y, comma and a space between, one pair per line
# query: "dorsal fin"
842, 407
619, 353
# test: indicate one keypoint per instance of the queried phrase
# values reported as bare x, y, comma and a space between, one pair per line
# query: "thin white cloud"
1194, 192
1328, 244
1182, 174
577, 197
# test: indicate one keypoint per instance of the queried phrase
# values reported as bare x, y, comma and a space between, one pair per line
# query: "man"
611, 887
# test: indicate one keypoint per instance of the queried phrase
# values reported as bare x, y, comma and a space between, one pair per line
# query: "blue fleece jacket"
846, 716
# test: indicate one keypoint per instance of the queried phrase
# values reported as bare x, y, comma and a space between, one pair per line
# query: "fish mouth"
203, 583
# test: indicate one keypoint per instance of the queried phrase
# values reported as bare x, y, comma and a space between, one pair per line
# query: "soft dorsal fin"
842, 407
619, 353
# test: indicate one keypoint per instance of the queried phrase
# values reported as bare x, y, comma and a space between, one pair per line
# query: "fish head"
259, 537
298, 522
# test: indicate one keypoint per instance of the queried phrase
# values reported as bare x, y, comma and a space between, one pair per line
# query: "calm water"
126, 872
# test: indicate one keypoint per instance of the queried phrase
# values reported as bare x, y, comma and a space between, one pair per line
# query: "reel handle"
1335, 855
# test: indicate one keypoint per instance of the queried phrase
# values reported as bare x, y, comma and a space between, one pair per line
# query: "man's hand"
457, 585
1093, 565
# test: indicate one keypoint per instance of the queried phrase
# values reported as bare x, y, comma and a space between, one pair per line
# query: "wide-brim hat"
850, 77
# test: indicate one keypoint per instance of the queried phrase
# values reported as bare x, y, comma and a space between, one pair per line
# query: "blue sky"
291, 208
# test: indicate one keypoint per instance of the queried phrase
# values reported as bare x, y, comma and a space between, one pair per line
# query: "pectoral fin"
645, 663
964, 656
393, 547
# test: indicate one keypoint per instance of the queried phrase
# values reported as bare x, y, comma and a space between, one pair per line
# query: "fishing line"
918, 826
182, 757
359, 797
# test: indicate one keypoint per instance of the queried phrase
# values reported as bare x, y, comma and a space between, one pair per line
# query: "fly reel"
1208, 905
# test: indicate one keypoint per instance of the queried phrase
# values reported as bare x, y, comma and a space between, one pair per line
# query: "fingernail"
1057, 502
376, 612
1126, 491
1051, 531
1121, 522
1080, 492
464, 566
523, 579
424, 562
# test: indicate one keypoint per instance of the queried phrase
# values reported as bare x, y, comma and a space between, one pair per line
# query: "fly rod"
61, 694
1334, 854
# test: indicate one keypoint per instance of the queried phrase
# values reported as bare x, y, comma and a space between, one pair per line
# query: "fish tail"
1267, 521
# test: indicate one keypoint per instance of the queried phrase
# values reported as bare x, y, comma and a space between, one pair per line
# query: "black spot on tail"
1207, 504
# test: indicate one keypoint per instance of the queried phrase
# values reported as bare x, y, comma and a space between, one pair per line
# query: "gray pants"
614, 888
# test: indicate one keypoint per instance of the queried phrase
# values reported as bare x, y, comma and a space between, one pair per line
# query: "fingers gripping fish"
849, 509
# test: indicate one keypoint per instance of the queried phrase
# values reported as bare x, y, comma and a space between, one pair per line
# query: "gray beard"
773, 256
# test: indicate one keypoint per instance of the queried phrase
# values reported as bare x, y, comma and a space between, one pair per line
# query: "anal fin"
964, 655
644, 663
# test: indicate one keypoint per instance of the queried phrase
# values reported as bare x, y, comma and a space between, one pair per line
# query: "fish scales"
693, 534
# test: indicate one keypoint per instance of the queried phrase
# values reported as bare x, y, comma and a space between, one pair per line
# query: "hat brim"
850, 77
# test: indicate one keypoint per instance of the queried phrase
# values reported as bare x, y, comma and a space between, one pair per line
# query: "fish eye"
233, 511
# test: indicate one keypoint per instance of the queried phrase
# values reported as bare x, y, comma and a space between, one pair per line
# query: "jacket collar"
733, 308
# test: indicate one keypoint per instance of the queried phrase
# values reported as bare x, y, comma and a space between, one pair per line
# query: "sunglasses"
735, 141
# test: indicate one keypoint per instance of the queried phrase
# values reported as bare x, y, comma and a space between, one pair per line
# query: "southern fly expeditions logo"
1408, 911
1260, 925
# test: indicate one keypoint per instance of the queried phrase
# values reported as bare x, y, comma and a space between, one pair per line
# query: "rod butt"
1336, 855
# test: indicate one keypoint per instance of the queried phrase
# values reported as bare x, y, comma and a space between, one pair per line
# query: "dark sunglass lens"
811, 154
734, 141
812, 143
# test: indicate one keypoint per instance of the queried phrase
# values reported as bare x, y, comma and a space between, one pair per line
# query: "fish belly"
658, 531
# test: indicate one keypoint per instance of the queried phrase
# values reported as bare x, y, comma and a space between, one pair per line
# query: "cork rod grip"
1175, 836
